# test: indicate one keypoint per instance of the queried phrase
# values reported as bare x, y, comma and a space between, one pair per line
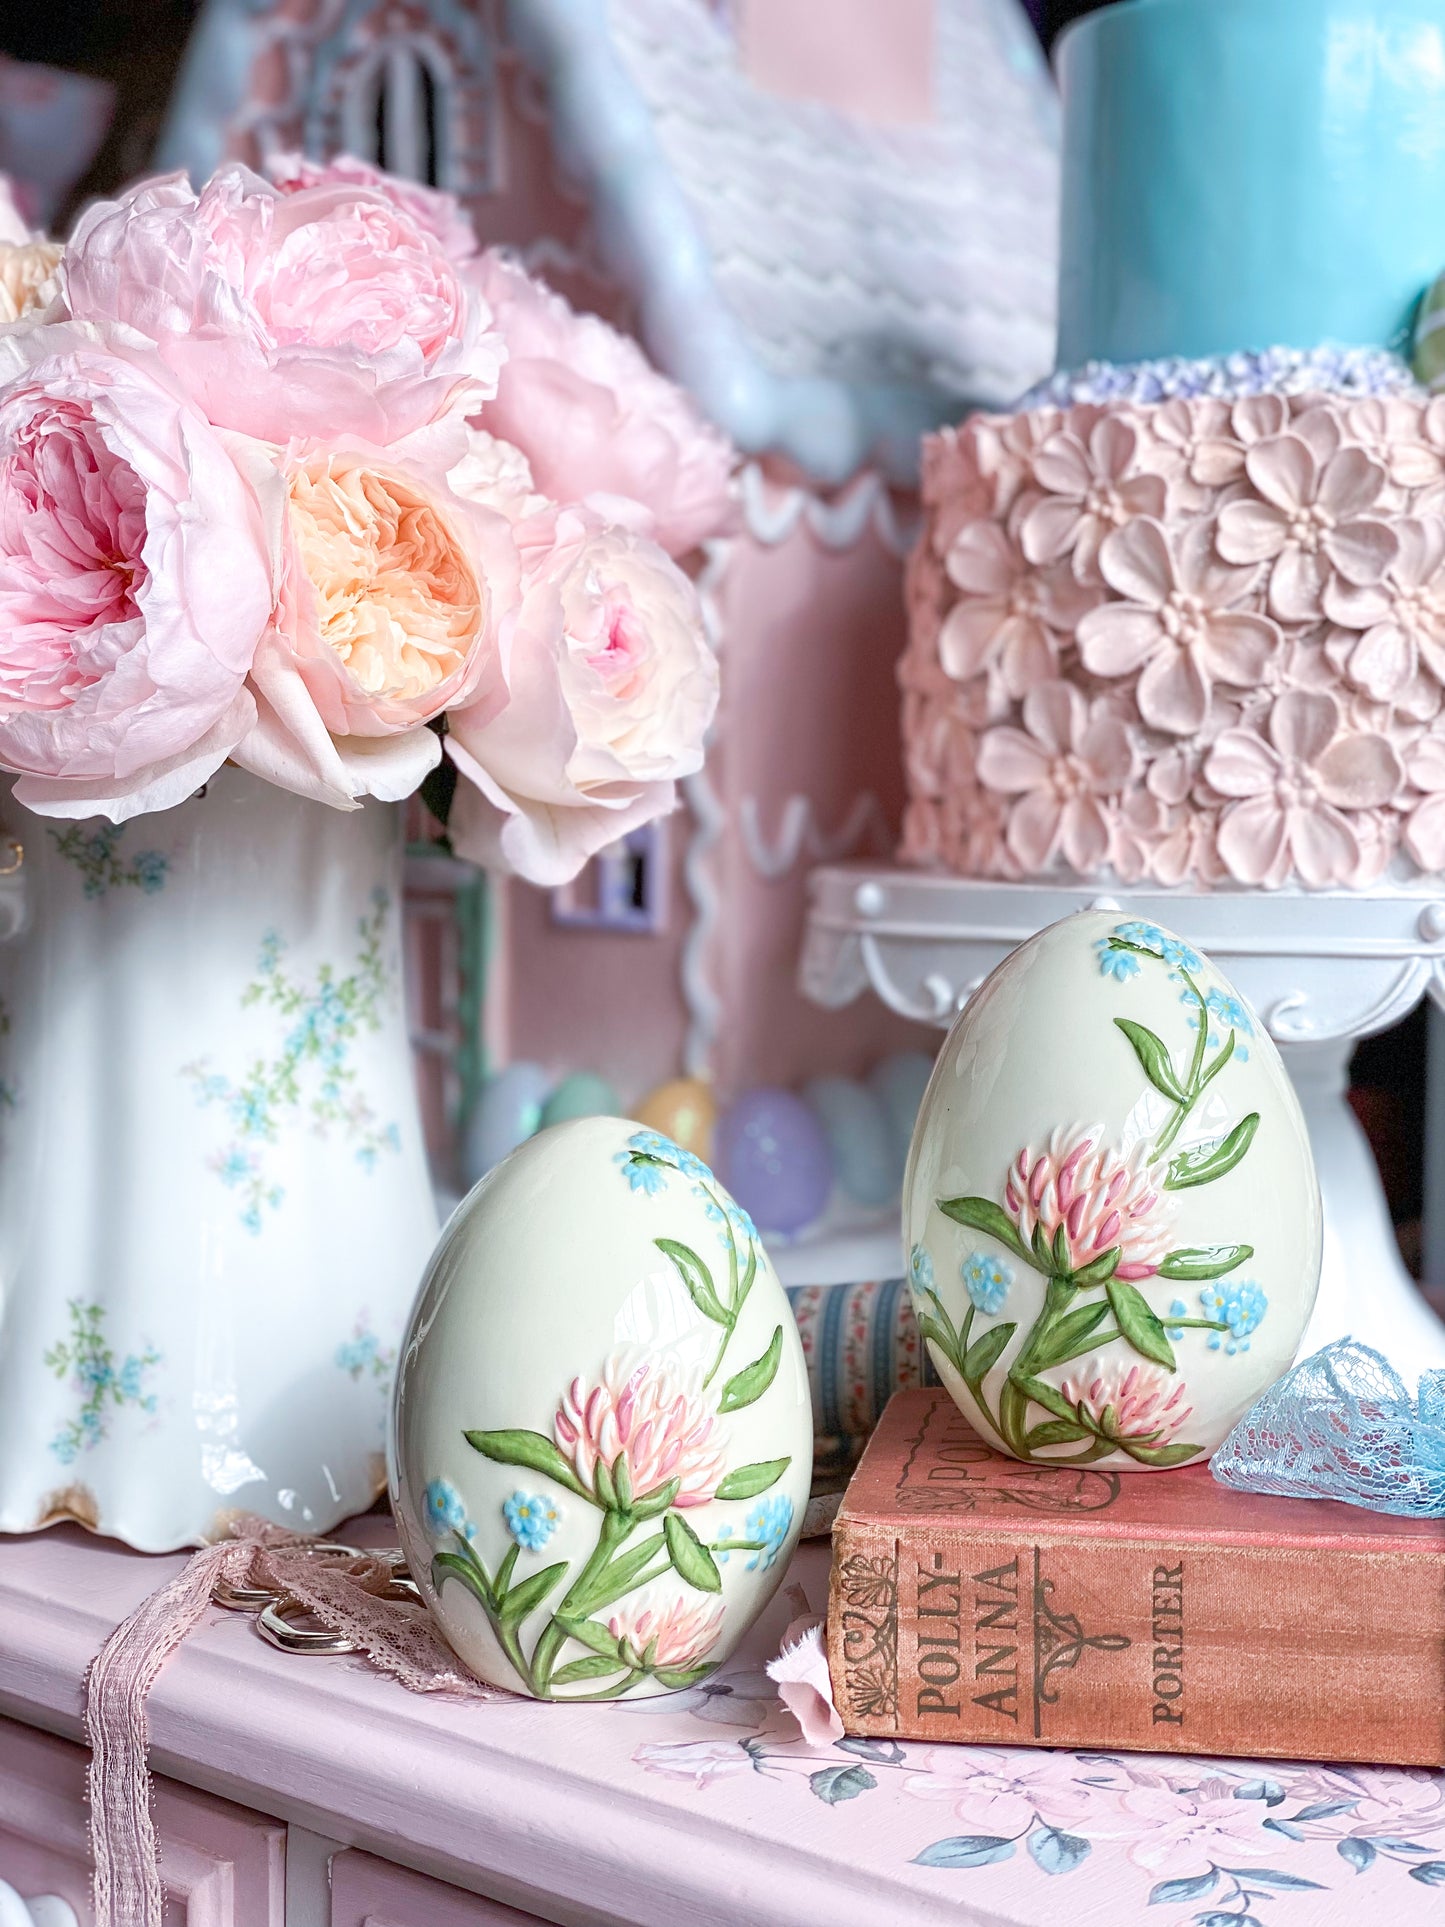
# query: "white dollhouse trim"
773, 245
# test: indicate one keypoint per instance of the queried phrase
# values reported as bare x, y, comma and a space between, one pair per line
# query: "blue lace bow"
1341, 1425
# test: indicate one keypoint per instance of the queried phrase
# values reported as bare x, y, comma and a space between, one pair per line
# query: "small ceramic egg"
583, 1094
859, 1139
1111, 1205
508, 1111
602, 1435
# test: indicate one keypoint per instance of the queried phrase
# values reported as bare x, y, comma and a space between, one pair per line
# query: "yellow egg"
685, 1110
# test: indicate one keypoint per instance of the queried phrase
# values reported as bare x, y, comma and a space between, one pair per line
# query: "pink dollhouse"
835, 225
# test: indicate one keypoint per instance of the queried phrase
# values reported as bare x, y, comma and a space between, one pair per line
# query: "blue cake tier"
1242, 173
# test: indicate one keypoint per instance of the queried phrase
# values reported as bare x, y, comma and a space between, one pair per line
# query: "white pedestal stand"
1321, 969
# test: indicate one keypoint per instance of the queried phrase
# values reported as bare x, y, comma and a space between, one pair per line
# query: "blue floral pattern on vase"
103, 866
310, 1075
107, 1384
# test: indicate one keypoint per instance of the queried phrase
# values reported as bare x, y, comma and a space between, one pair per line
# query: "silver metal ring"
274, 1626
243, 1599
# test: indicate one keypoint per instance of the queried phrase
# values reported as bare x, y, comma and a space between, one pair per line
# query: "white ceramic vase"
214, 1201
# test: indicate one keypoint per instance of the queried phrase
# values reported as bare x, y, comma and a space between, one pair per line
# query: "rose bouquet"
294, 475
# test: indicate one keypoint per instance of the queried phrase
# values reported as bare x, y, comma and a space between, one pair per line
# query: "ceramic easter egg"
602, 1435
859, 1139
583, 1094
774, 1153
685, 1110
898, 1082
1110, 1204
508, 1111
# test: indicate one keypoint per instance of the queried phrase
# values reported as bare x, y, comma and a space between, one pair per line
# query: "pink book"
974, 1598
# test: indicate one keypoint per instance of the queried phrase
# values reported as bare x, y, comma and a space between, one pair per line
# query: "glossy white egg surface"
1111, 1206
602, 1439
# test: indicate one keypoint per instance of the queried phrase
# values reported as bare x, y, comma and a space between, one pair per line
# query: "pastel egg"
602, 1437
773, 1153
1111, 1205
508, 1111
898, 1082
583, 1094
685, 1110
859, 1138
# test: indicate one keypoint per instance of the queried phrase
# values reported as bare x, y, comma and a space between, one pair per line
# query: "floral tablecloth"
1033, 1836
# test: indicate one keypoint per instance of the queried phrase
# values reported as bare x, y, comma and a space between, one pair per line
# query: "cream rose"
29, 281
612, 687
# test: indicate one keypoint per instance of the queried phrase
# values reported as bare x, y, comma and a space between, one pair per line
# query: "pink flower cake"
1180, 619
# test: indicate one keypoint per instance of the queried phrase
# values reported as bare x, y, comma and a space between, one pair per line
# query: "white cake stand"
1322, 969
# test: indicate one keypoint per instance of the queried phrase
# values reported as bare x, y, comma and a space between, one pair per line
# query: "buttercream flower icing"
1191, 641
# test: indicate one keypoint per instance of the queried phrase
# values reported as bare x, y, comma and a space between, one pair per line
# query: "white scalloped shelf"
1319, 966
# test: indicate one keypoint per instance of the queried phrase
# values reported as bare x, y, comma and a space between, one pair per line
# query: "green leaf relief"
982, 1214
676, 1678
943, 1339
1058, 1431
1159, 1454
697, 1278
606, 1490
1210, 1161
595, 1666
530, 1593
1218, 1065
451, 1563
753, 1380
1099, 1272
1060, 1253
1204, 1261
1154, 1060
588, 1632
1139, 1324
984, 1353
691, 1559
749, 1480
651, 1503
532, 1449
1072, 1333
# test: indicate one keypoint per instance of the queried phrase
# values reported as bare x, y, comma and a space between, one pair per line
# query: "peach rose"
612, 688
324, 312
134, 581
594, 417
392, 589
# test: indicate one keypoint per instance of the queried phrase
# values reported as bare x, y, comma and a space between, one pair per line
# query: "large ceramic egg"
1111, 1206
602, 1438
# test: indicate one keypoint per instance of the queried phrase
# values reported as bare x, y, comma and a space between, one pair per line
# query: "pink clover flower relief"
642, 1426
645, 1447
262, 499
1098, 1222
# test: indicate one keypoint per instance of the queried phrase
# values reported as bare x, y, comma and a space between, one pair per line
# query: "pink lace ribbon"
396, 1636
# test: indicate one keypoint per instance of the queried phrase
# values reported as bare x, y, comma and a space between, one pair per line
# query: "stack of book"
975, 1598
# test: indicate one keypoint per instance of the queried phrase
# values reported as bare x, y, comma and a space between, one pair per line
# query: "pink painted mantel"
705, 1810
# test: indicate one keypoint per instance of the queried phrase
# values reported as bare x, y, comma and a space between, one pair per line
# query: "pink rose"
438, 214
612, 688
594, 417
323, 312
134, 581
391, 593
